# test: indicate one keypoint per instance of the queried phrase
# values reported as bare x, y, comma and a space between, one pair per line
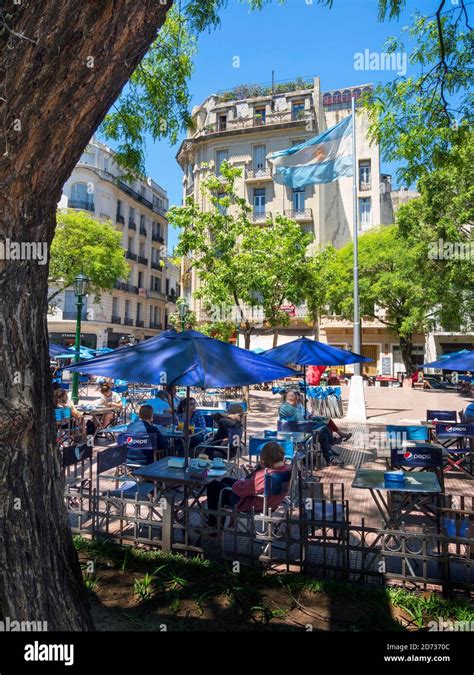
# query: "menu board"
386, 365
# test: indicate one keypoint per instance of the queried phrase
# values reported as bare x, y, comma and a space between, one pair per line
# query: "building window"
365, 212
140, 280
260, 115
190, 176
221, 156
70, 307
259, 201
139, 311
142, 222
297, 110
119, 209
127, 309
87, 158
131, 215
130, 244
222, 209
298, 199
115, 307
222, 123
81, 198
259, 157
364, 175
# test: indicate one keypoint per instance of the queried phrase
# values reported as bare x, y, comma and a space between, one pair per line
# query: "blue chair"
256, 445
304, 426
269, 433
115, 457
456, 527
396, 434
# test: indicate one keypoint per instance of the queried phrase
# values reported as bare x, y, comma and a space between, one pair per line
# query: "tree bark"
406, 347
64, 62
275, 338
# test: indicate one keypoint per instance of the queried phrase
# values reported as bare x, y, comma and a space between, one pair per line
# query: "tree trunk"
316, 328
275, 338
406, 347
64, 62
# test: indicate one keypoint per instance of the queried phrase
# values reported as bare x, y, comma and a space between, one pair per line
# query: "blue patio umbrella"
305, 352
189, 359
458, 362
55, 350
450, 355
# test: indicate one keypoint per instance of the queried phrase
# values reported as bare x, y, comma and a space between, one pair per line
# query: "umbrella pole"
305, 402
186, 431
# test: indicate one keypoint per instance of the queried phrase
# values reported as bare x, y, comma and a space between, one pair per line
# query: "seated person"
172, 397
293, 411
196, 420
231, 419
61, 400
144, 425
160, 404
247, 494
109, 399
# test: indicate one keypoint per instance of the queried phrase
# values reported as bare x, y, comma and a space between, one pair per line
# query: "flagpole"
356, 411
356, 342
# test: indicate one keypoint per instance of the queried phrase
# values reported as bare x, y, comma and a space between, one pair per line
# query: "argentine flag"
322, 159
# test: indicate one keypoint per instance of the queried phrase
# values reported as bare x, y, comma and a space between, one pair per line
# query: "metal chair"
115, 457
231, 448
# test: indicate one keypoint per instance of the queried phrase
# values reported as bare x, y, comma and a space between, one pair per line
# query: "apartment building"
137, 307
247, 124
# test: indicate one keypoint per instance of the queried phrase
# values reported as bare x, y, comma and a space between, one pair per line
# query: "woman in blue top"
196, 420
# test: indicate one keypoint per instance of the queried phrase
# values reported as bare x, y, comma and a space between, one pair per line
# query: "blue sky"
294, 39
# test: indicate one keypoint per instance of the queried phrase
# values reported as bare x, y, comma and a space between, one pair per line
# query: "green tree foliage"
83, 243
240, 264
418, 119
395, 278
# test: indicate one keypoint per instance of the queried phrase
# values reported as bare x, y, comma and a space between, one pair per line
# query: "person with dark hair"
144, 425
109, 399
196, 420
231, 419
247, 494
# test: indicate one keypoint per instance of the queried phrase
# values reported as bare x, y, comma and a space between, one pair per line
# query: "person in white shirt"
109, 399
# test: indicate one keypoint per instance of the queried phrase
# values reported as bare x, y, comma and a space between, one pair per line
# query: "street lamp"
81, 285
183, 313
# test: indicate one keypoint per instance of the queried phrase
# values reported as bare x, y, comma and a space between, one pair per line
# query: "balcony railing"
284, 117
130, 256
300, 214
123, 286
133, 193
143, 231
157, 295
132, 225
156, 326
128, 322
84, 205
261, 216
171, 297
140, 323
155, 266
258, 174
116, 319
142, 260
160, 209
120, 219
365, 186
158, 238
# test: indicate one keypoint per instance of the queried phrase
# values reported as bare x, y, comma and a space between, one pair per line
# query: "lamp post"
81, 285
183, 313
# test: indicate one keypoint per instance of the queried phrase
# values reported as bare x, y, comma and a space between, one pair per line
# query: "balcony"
157, 295
128, 322
140, 323
116, 319
171, 297
365, 186
156, 266
120, 219
300, 214
128, 288
286, 118
258, 174
130, 256
84, 205
133, 193
159, 209
143, 231
141, 260
156, 326
132, 225
261, 217
158, 238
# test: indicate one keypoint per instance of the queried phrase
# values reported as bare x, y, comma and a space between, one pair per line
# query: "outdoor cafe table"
416, 491
167, 478
97, 415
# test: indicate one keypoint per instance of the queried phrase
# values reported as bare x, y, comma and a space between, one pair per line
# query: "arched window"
336, 97
346, 96
327, 99
81, 198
